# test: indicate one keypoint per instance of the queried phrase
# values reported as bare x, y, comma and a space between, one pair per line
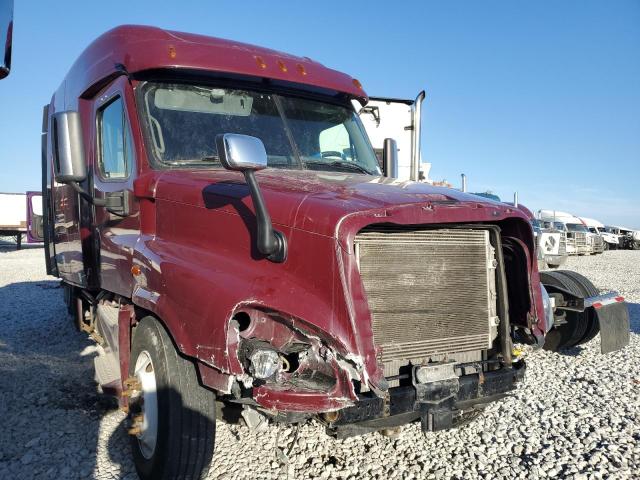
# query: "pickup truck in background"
223, 230
21, 214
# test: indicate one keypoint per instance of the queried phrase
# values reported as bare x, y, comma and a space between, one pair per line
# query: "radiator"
430, 292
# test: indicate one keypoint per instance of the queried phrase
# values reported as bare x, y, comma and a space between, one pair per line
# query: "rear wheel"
172, 435
574, 328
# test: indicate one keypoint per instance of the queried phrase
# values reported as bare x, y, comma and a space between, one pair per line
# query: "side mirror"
241, 152
69, 164
390, 158
6, 33
247, 154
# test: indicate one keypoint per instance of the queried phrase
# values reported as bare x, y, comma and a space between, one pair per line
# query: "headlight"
264, 363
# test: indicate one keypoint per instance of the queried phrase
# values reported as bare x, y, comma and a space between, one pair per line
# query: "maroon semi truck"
222, 228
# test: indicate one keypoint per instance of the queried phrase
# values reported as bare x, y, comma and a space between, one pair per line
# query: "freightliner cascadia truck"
224, 232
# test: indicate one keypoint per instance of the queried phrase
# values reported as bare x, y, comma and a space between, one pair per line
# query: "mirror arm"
112, 205
270, 242
99, 202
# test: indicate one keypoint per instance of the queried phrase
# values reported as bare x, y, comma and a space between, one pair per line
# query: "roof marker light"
261, 63
357, 83
301, 69
282, 66
172, 51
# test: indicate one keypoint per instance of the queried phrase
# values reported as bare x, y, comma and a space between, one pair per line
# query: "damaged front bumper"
405, 404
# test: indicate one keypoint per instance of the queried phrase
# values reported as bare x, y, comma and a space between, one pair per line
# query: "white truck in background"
579, 240
611, 240
392, 118
21, 214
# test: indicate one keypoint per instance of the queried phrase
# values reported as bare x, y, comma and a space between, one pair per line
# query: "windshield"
576, 227
182, 122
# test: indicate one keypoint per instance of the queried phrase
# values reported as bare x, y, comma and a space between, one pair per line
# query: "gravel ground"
576, 415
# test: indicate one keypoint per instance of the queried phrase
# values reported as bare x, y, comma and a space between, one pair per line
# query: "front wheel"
173, 416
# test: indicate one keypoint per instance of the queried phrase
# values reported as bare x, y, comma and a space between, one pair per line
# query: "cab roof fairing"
130, 49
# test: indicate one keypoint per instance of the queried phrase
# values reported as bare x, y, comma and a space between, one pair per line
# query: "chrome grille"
581, 239
430, 292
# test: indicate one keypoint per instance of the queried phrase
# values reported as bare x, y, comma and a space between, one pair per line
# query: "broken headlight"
264, 363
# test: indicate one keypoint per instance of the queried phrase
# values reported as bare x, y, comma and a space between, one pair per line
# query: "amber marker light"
357, 83
172, 51
261, 62
282, 66
135, 270
301, 69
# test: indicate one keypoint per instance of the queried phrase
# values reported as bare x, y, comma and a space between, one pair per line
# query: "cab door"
117, 225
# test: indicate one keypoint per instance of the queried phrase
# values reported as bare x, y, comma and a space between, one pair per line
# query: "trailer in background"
21, 214
392, 118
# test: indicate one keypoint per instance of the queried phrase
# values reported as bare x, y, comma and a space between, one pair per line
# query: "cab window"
115, 141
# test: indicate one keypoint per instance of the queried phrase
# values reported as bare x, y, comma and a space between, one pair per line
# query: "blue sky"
540, 97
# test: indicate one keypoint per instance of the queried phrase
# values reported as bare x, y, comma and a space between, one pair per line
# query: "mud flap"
614, 325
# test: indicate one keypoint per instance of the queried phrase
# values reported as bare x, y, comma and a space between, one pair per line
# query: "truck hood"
309, 200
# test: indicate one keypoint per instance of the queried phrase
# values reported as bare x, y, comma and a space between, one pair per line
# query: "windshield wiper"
200, 161
353, 166
341, 164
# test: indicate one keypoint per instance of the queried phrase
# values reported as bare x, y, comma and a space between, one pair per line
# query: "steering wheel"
331, 153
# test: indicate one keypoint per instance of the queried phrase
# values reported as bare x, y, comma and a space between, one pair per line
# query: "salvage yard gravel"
576, 415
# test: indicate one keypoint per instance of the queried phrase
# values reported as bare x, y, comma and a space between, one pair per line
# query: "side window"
116, 152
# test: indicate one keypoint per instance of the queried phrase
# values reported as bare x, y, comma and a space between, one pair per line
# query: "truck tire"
176, 437
579, 327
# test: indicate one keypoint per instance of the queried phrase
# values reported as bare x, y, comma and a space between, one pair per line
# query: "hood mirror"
6, 33
241, 152
247, 154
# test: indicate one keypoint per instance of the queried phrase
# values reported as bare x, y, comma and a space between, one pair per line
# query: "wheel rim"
145, 373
